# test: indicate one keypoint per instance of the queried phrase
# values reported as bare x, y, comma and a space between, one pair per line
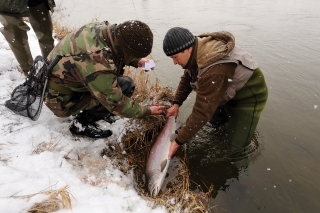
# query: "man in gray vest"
230, 88
15, 29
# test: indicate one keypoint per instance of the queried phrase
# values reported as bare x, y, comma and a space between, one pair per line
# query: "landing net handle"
34, 114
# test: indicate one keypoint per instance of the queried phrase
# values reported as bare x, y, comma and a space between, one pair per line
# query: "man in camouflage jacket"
15, 29
89, 79
228, 83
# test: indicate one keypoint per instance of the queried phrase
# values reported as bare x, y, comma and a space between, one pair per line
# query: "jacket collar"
192, 63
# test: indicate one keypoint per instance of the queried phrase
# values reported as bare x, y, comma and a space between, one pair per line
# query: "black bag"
27, 98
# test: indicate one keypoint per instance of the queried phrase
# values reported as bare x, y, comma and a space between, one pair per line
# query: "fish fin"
163, 164
173, 137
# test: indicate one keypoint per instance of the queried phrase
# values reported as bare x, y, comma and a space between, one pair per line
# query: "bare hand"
174, 110
156, 109
173, 149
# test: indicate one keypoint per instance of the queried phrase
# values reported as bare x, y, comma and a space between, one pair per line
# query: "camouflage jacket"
19, 8
88, 66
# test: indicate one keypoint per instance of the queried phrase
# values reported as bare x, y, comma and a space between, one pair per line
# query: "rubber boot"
85, 123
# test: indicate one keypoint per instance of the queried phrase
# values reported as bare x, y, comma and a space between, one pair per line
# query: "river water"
283, 36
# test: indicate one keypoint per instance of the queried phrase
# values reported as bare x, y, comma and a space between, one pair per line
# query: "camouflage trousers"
15, 32
65, 104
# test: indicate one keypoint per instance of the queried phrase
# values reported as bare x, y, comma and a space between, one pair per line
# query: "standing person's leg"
41, 23
244, 111
15, 32
219, 118
243, 120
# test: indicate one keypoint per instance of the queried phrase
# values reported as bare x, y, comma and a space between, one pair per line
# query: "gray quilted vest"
244, 70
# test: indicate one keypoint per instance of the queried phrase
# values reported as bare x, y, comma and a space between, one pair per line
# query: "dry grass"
147, 92
56, 200
137, 143
57, 18
50, 146
59, 30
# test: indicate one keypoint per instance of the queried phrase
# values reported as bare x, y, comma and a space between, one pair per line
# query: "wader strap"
59, 88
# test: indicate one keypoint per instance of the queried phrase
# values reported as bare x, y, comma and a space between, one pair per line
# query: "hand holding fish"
156, 109
173, 149
174, 111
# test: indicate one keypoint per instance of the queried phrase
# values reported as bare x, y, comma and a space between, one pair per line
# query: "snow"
43, 155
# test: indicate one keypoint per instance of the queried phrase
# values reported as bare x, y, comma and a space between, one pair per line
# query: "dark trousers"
242, 113
15, 32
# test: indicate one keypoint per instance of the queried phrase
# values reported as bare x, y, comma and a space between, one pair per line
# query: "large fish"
158, 162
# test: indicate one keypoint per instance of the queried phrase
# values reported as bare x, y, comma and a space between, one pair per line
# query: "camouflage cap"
134, 38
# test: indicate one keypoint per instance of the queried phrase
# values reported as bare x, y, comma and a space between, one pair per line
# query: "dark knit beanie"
176, 40
134, 38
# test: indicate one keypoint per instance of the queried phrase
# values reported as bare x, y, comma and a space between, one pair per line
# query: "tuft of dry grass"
56, 200
57, 18
60, 31
50, 146
148, 92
